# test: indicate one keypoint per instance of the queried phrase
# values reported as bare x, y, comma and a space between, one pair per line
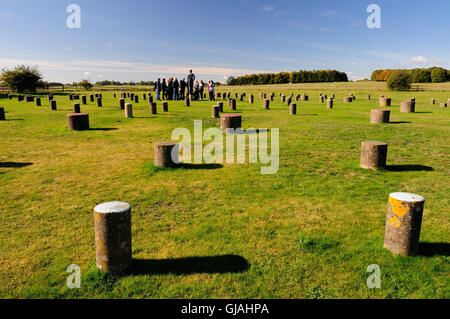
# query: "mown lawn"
309, 231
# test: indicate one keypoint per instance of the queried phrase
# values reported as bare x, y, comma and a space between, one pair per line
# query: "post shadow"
400, 122
434, 249
14, 165
408, 168
199, 166
103, 129
190, 265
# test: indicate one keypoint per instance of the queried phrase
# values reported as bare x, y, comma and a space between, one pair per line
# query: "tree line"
430, 75
290, 77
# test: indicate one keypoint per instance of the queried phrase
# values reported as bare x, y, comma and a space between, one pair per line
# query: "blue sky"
142, 40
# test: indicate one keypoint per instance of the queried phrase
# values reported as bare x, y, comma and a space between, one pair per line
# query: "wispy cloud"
329, 14
420, 60
267, 8
89, 66
7, 15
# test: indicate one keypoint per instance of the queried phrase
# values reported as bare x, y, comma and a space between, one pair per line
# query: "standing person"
182, 88
196, 91
201, 88
158, 89
190, 82
164, 89
170, 89
212, 88
176, 85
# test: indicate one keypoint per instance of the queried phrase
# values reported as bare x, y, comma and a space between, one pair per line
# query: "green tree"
438, 75
85, 84
399, 81
22, 79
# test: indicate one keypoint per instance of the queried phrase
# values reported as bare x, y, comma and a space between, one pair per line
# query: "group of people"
172, 89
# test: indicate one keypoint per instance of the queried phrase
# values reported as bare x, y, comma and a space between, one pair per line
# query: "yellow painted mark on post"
399, 207
395, 222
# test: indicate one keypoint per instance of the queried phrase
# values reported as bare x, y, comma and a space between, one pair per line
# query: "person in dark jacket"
176, 86
170, 89
164, 89
190, 82
182, 89
158, 89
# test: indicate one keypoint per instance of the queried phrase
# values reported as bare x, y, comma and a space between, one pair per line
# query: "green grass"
309, 231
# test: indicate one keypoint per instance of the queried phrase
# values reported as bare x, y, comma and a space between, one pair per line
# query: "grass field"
309, 231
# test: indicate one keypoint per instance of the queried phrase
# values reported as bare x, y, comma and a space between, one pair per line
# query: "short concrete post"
187, 102
83, 99
136, 98
368, 97
289, 100
403, 223
321, 99
112, 222
230, 121
407, 107
38, 101
385, 101
232, 104
220, 105
128, 110
348, 99
443, 104
91, 97
433, 101
53, 105
215, 112
166, 154
99, 102
266, 104
251, 99
153, 108
380, 116
122, 103
305, 97
76, 108
373, 155
78, 121
165, 106
283, 98
2, 114
293, 109
330, 103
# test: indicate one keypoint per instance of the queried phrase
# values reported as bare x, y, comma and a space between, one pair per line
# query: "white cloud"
419, 60
329, 14
109, 45
267, 8
86, 73
6, 15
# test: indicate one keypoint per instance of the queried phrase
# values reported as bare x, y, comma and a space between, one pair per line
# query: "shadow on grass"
423, 112
10, 120
199, 166
14, 165
434, 249
400, 122
104, 129
408, 168
190, 265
